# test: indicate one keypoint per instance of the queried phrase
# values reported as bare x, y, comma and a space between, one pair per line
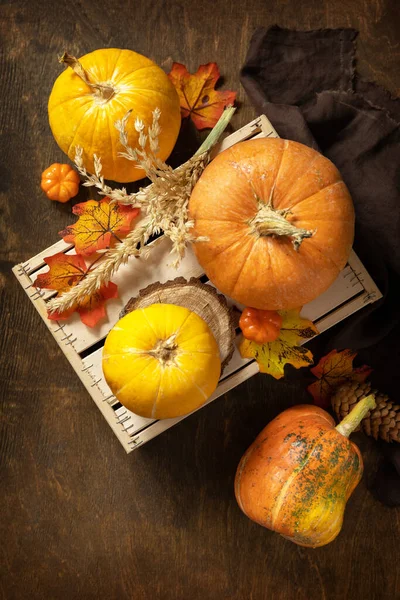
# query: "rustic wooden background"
81, 519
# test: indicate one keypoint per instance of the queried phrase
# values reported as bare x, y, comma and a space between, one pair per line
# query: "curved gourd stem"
215, 134
102, 90
354, 418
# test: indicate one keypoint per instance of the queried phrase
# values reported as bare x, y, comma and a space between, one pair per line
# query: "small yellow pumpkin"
99, 89
161, 361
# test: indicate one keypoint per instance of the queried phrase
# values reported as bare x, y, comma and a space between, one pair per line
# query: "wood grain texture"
79, 518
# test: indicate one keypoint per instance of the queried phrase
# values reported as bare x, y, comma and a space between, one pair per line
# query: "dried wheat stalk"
164, 203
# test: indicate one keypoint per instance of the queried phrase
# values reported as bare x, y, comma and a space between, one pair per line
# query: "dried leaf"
66, 270
333, 370
198, 98
273, 356
92, 309
99, 226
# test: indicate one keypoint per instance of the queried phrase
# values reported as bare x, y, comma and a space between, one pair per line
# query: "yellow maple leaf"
99, 225
273, 356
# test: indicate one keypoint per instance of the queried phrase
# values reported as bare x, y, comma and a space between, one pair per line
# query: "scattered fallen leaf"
92, 309
100, 225
66, 270
199, 100
333, 370
273, 356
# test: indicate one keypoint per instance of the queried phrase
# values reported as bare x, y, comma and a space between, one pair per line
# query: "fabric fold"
306, 84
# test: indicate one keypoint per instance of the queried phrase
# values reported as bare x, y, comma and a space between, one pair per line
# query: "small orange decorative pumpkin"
60, 182
279, 222
260, 326
300, 471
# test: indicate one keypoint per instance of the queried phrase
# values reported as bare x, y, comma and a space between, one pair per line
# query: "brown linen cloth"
306, 84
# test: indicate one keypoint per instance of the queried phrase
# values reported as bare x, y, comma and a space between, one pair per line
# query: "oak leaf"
198, 98
100, 224
286, 349
333, 370
66, 270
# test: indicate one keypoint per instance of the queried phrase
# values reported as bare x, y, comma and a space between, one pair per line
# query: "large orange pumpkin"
99, 89
279, 223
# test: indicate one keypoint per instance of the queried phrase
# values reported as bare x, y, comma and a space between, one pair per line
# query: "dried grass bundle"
163, 204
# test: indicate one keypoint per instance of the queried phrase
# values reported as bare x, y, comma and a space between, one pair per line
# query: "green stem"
217, 131
354, 418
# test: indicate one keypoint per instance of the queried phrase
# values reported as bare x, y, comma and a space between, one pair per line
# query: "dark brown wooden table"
80, 519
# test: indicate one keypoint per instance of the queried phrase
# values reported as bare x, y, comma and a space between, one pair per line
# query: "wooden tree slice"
199, 298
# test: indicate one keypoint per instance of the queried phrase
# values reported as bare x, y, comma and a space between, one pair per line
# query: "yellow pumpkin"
99, 89
161, 361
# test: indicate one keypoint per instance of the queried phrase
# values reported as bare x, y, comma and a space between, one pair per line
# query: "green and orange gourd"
300, 471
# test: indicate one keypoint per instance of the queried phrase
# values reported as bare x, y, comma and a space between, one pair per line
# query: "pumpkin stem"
270, 221
103, 91
165, 350
354, 418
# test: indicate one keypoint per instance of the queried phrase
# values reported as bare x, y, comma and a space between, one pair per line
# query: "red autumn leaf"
66, 270
198, 98
92, 309
333, 370
100, 225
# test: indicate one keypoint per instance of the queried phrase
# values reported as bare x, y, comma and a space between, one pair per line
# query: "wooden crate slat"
160, 426
346, 286
342, 289
37, 261
259, 127
350, 292
63, 338
135, 270
361, 275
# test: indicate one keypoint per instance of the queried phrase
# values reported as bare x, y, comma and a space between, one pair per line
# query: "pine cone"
382, 422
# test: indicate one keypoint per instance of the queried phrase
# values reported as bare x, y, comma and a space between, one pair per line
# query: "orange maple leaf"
66, 270
333, 370
99, 226
198, 98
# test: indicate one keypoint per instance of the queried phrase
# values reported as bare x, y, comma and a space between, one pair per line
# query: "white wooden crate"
82, 346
